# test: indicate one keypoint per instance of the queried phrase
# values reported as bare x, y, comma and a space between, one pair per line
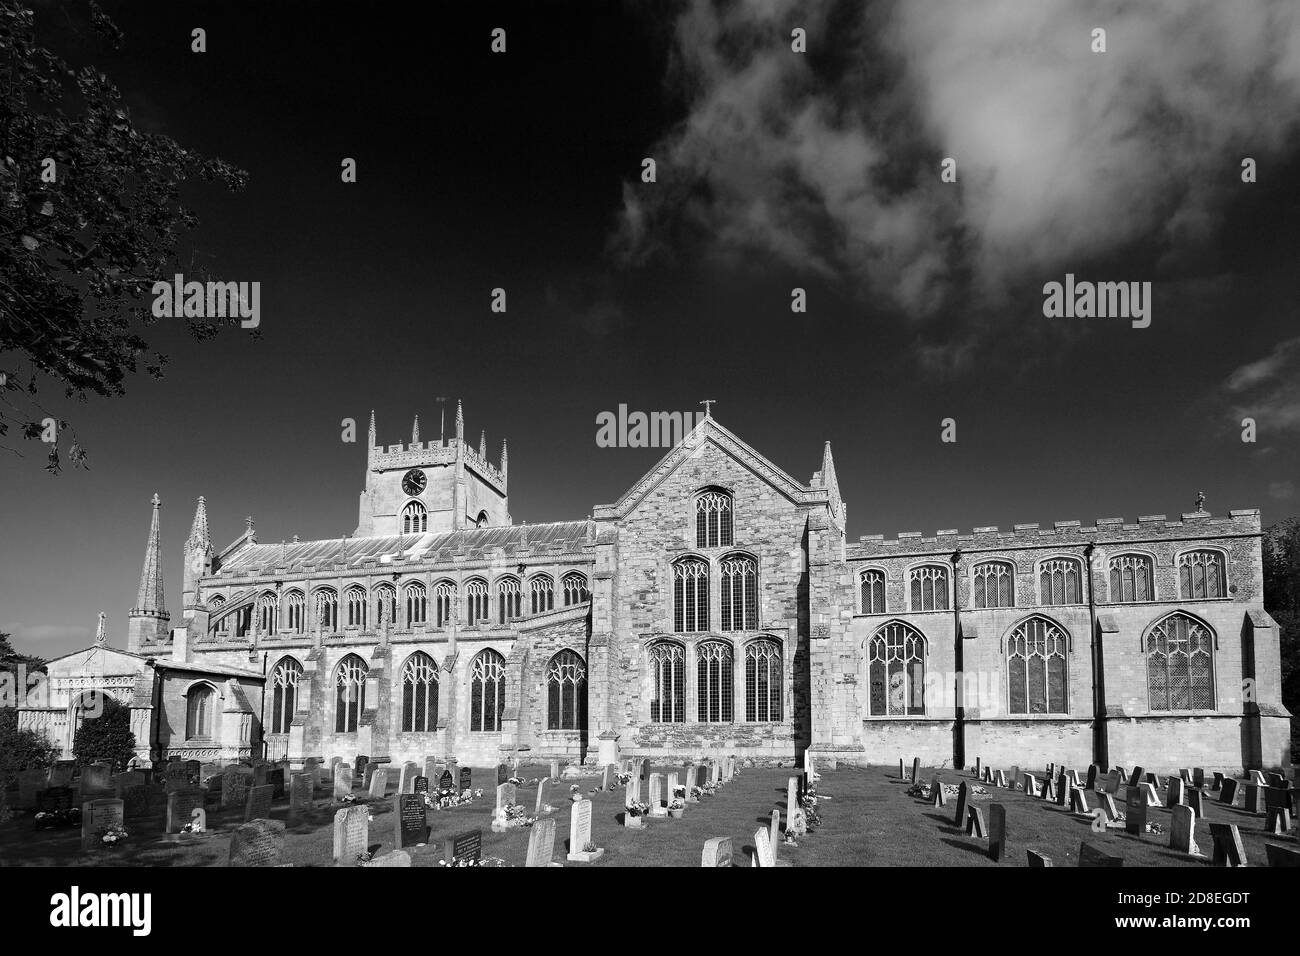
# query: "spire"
149, 598
505, 458
828, 467
460, 421
482, 445
415, 430
199, 530
372, 428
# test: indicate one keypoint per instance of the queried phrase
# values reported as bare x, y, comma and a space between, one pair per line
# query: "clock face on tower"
413, 482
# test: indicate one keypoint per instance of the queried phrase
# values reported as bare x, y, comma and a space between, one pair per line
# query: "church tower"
432, 486
147, 622
197, 560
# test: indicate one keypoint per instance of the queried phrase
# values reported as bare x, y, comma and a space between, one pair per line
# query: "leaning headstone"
1254, 798
1091, 783
342, 781
1014, 778
716, 853
541, 842
543, 796
916, 770
1196, 800
963, 795
1218, 782
234, 788
1090, 855
1228, 850
409, 825
259, 842
937, 797
181, 805
1174, 796
301, 796
1256, 777
1049, 790
1031, 785
466, 779
580, 834
1078, 802
1282, 855
257, 806
1182, 831
351, 835
1038, 859
975, 823
405, 781
463, 847
1135, 777
1111, 783
1149, 791
97, 818
1135, 811
1228, 792
379, 783
997, 831
763, 849
1277, 803
1001, 780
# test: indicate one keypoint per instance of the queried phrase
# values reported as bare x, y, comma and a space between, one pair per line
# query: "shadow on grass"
945, 824
968, 847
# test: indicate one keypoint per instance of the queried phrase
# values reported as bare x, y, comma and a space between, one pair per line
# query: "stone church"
715, 608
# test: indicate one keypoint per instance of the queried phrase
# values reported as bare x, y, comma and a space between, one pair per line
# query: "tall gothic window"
566, 692
444, 603
417, 604
386, 604
284, 694
714, 682
929, 587
896, 671
690, 596
993, 584
739, 593
215, 605
355, 599
1036, 668
873, 591
713, 513
476, 602
327, 609
510, 599
575, 588
244, 620
349, 693
1201, 574
1180, 664
415, 518
198, 711
487, 696
668, 670
1060, 581
268, 614
1131, 579
543, 592
296, 605
763, 681
419, 694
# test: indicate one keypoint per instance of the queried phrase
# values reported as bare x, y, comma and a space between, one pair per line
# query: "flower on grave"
348, 798
364, 857
636, 808
589, 847
478, 792
789, 838
1155, 828
517, 781
622, 777
113, 835
677, 805
574, 788
486, 861
680, 791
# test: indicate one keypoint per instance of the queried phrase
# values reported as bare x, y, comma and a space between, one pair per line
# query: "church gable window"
713, 520
690, 595
1201, 574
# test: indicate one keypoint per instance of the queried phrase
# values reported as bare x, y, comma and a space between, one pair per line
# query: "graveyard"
730, 815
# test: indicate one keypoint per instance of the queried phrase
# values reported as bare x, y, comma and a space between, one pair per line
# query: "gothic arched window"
575, 588
714, 682
873, 591
1131, 579
1180, 664
510, 599
566, 692
690, 595
476, 602
385, 605
1036, 668
487, 694
1202, 574
327, 609
1060, 581
419, 694
215, 606
349, 693
993, 584
763, 681
444, 603
199, 704
296, 604
929, 587
417, 604
415, 518
543, 592
739, 593
668, 666
284, 694
713, 520
355, 599
896, 671
268, 614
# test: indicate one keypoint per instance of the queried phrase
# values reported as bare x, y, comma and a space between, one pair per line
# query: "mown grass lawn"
868, 820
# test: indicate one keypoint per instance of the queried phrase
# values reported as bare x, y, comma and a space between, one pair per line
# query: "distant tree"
10, 659
90, 217
21, 749
106, 737
1282, 601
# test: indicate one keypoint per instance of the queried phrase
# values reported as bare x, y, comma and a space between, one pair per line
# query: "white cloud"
1268, 389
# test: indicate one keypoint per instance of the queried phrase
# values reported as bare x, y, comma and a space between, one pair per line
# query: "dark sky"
521, 171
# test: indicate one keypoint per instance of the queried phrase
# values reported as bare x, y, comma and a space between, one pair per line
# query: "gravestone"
774, 833
1182, 831
1256, 777
311, 767
505, 800
791, 795
716, 853
555, 769
1282, 855
257, 843
445, 782
541, 842
379, 783
1218, 782
1098, 824
410, 770
61, 773
916, 770
963, 795
96, 777
123, 782
234, 789
1031, 784
701, 775
1108, 804
1254, 798
181, 805
301, 800
30, 782
902, 775
137, 802
979, 763
937, 799
398, 858
453, 767
656, 796
1002, 780
503, 774
409, 826
97, 817
1228, 791
1038, 859
1091, 783
1111, 783
359, 767
1062, 789
420, 785
1014, 778
1174, 796
1153, 780
1196, 800
431, 768
466, 779
580, 834
257, 806
763, 849
1228, 850
1277, 803
1049, 789
1276, 779
543, 788
464, 846
975, 823
673, 785
1090, 855
342, 781
1135, 811
604, 777
351, 835
1078, 802
275, 779
177, 778
1153, 798
997, 831
1135, 777
1185, 774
